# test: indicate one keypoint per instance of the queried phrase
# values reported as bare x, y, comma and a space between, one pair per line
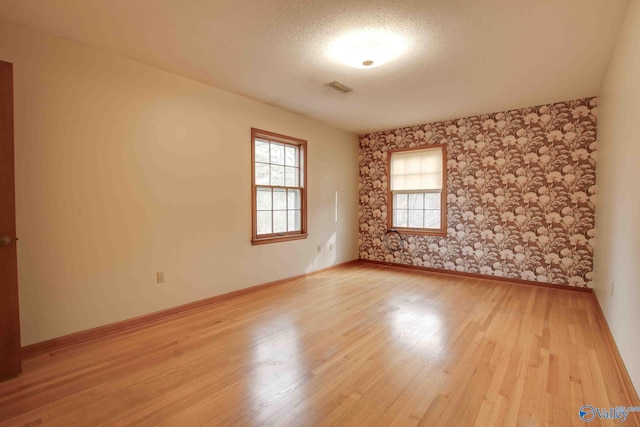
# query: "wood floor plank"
361, 345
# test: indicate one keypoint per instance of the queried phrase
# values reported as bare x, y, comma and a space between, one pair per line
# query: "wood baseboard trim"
621, 369
67, 340
478, 276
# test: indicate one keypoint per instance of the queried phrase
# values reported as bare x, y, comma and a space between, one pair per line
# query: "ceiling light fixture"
367, 48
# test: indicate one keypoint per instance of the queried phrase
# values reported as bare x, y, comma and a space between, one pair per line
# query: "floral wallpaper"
521, 194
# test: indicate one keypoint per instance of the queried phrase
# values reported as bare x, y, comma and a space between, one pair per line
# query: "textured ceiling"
464, 57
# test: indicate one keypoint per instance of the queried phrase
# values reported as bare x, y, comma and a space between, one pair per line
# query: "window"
278, 183
417, 190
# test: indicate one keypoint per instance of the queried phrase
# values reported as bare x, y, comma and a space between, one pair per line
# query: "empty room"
319, 213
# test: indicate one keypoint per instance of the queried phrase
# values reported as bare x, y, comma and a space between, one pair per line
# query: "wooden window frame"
442, 231
289, 235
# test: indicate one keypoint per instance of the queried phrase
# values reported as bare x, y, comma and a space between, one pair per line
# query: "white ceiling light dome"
367, 48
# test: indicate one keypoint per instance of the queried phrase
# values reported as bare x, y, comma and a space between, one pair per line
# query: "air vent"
340, 87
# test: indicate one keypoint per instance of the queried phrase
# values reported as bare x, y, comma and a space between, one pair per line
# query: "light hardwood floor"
360, 345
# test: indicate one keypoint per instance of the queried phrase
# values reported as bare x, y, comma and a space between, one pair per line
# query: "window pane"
294, 221
279, 170
262, 151
400, 218
264, 222
277, 153
291, 155
262, 174
400, 201
279, 221
263, 199
279, 198
416, 218
432, 219
416, 201
432, 200
291, 177
277, 175
294, 199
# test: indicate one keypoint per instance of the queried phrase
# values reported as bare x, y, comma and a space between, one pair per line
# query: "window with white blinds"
417, 170
417, 195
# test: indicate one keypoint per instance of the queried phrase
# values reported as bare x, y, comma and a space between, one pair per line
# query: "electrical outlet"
319, 248
613, 286
331, 246
160, 277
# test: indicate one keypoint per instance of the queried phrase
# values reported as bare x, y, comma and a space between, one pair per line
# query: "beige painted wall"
124, 170
617, 255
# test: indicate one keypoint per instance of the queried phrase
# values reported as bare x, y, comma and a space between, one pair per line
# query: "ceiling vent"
340, 87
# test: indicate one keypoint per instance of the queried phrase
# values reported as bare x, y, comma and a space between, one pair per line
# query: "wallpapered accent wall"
520, 196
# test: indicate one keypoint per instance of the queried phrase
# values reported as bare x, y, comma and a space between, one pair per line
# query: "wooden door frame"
10, 361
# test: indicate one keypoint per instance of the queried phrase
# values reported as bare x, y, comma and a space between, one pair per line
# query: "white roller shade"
417, 170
